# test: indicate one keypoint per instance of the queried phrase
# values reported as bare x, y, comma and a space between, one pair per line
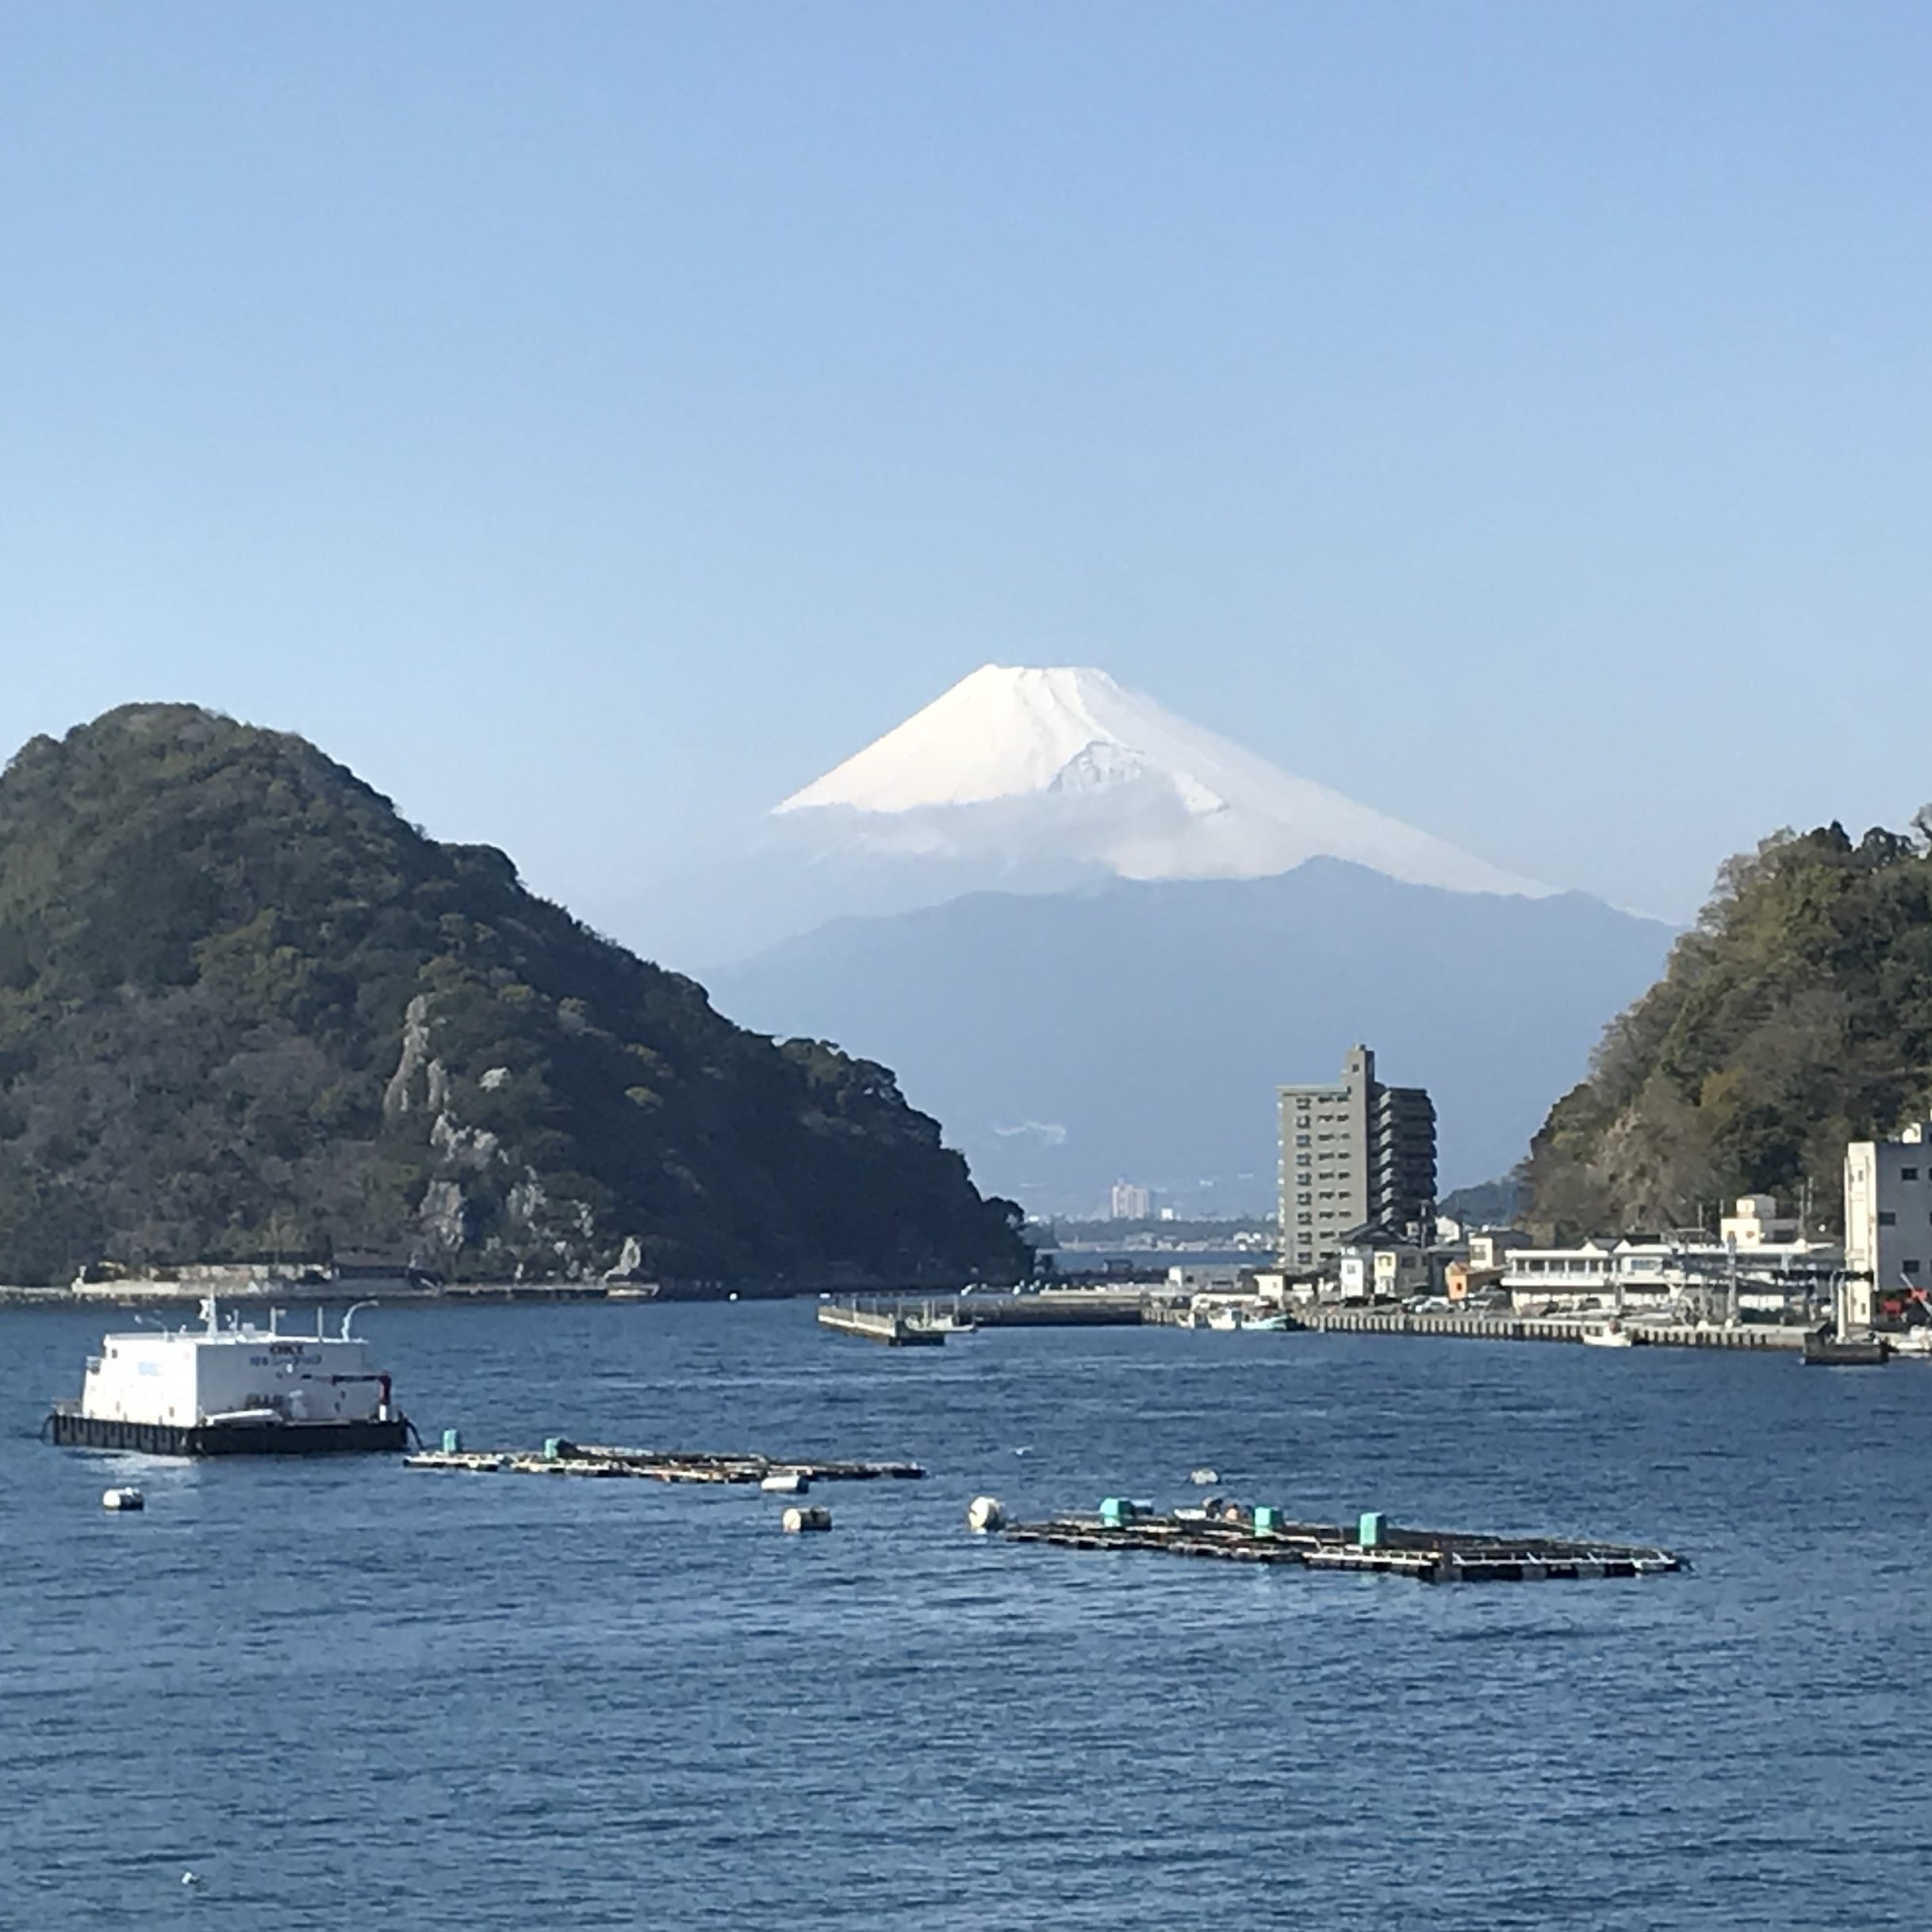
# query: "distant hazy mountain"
1137, 1030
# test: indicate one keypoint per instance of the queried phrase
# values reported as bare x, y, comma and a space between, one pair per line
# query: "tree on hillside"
1796, 1014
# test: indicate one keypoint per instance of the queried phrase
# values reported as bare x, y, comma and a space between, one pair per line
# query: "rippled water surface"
343, 1693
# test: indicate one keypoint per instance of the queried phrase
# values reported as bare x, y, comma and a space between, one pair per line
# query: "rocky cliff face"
246, 1009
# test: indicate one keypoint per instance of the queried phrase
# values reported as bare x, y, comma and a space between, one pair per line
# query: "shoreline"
289, 1295
1121, 1305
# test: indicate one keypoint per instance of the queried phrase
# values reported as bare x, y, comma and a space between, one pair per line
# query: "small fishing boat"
1606, 1335
1823, 1349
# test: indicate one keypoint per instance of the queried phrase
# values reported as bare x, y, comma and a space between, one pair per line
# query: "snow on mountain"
1064, 765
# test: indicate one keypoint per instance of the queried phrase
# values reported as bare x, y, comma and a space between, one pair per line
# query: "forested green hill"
1796, 1014
246, 1009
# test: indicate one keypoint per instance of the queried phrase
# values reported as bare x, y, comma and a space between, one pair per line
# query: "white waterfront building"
1759, 1259
1887, 1219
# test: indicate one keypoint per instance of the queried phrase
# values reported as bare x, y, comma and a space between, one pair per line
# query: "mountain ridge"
1135, 1030
245, 1008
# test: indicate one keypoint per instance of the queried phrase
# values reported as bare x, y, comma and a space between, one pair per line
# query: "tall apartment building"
1887, 1217
1353, 1152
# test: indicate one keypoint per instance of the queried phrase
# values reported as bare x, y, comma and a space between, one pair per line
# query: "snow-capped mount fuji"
1091, 937
1046, 774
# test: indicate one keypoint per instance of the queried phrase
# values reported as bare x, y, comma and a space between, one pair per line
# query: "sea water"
340, 1692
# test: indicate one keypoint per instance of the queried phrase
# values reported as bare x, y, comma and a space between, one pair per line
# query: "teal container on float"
452, 1442
1368, 1532
1115, 1510
1267, 1518
551, 1445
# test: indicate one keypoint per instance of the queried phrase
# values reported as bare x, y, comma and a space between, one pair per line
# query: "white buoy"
1203, 1478
798, 1520
984, 1513
787, 1482
191, 1878
123, 1499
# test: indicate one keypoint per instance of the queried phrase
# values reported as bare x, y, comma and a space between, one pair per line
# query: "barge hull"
73, 1432
1830, 1351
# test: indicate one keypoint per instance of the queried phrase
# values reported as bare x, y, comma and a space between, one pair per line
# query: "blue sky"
593, 422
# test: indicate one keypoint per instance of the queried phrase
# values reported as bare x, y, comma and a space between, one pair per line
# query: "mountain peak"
1062, 763
1004, 731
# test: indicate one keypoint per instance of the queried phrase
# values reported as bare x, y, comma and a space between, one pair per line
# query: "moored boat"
1606, 1335
1825, 1350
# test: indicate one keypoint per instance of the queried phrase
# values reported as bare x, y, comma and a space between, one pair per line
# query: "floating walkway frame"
1428, 1556
559, 1457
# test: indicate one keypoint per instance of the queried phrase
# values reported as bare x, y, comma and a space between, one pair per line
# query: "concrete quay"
903, 1322
1500, 1327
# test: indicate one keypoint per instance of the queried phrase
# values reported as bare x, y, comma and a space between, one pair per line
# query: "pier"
902, 1321
1373, 1547
559, 1457
887, 1324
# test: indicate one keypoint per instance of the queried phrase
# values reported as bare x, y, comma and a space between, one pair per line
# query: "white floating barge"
236, 1389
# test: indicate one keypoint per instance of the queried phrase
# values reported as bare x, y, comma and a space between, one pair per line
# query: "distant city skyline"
593, 427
